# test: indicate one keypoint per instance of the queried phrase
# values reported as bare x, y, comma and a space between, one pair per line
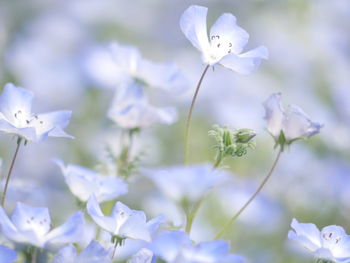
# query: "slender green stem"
115, 249
191, 214
10, 172
189, 116
229, 223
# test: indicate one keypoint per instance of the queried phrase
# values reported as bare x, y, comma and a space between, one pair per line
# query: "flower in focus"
83, 183
186, 183
123, 222
161, 75
288, 126
93, 253
130, 109
16, 116
32, 225
143, 256
226, 41
7, 255
176, 246
331, 243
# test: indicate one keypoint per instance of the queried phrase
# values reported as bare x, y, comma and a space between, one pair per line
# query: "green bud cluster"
231, 142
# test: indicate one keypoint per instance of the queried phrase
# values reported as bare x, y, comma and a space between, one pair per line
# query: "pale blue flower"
123, 222
32, 225
93, 253
155, 74
188, 183
294, 123
16, 116
176, 247
83, 182
226, 40
131, 109
143, 256
331, 243
7, 255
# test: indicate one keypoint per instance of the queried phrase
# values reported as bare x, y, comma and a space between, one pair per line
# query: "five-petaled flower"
225, 43
16, 116
288, 126
83, 183
330, 244
32, 225
123, 221
131, 109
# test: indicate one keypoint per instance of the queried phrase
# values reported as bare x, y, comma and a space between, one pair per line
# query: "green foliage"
231, 142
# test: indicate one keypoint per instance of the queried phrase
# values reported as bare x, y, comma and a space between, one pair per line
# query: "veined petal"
143, 256
194, 26
52, 124
231, 36
245, 63
135, 227
67, 254
307, 234
28, 133
7, 255
70, 232
274, 114
127, 58
106, 222
15, 99
94, 253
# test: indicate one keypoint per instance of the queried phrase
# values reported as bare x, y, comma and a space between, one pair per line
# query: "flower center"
220, 47
23, 120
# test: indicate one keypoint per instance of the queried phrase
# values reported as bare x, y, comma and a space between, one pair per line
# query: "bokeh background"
59, 49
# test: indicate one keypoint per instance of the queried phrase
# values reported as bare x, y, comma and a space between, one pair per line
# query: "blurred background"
59, 50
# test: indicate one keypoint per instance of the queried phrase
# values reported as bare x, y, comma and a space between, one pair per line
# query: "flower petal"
194, 26
274, 114
28, 133
245, 63
67, 254
94, 253
127, 58
307, 235
70, 232
7, 255
106, 222
229, 33
143, 256
14, 99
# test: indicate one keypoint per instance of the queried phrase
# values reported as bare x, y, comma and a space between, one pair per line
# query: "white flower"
331, 243
162, 75
93, 253
123, 221
188, 183
225, 43
294, 123
16, 116
83, 183
32, 225
130, 109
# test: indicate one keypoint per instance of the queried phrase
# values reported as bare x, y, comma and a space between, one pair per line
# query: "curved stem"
189, 116
10, 172
227, 225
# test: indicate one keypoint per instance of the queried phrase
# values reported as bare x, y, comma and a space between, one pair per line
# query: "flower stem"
190, 216
228, 224
19, 140
189, 116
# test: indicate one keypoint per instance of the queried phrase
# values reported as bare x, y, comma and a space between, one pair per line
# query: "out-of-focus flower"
176, 247
16, 116
130, 109
186, 183
83, 183
331, 243
32, 225
225, 43
7, 255
93, 253
288, 126
143, 256
123, 221
162, 75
